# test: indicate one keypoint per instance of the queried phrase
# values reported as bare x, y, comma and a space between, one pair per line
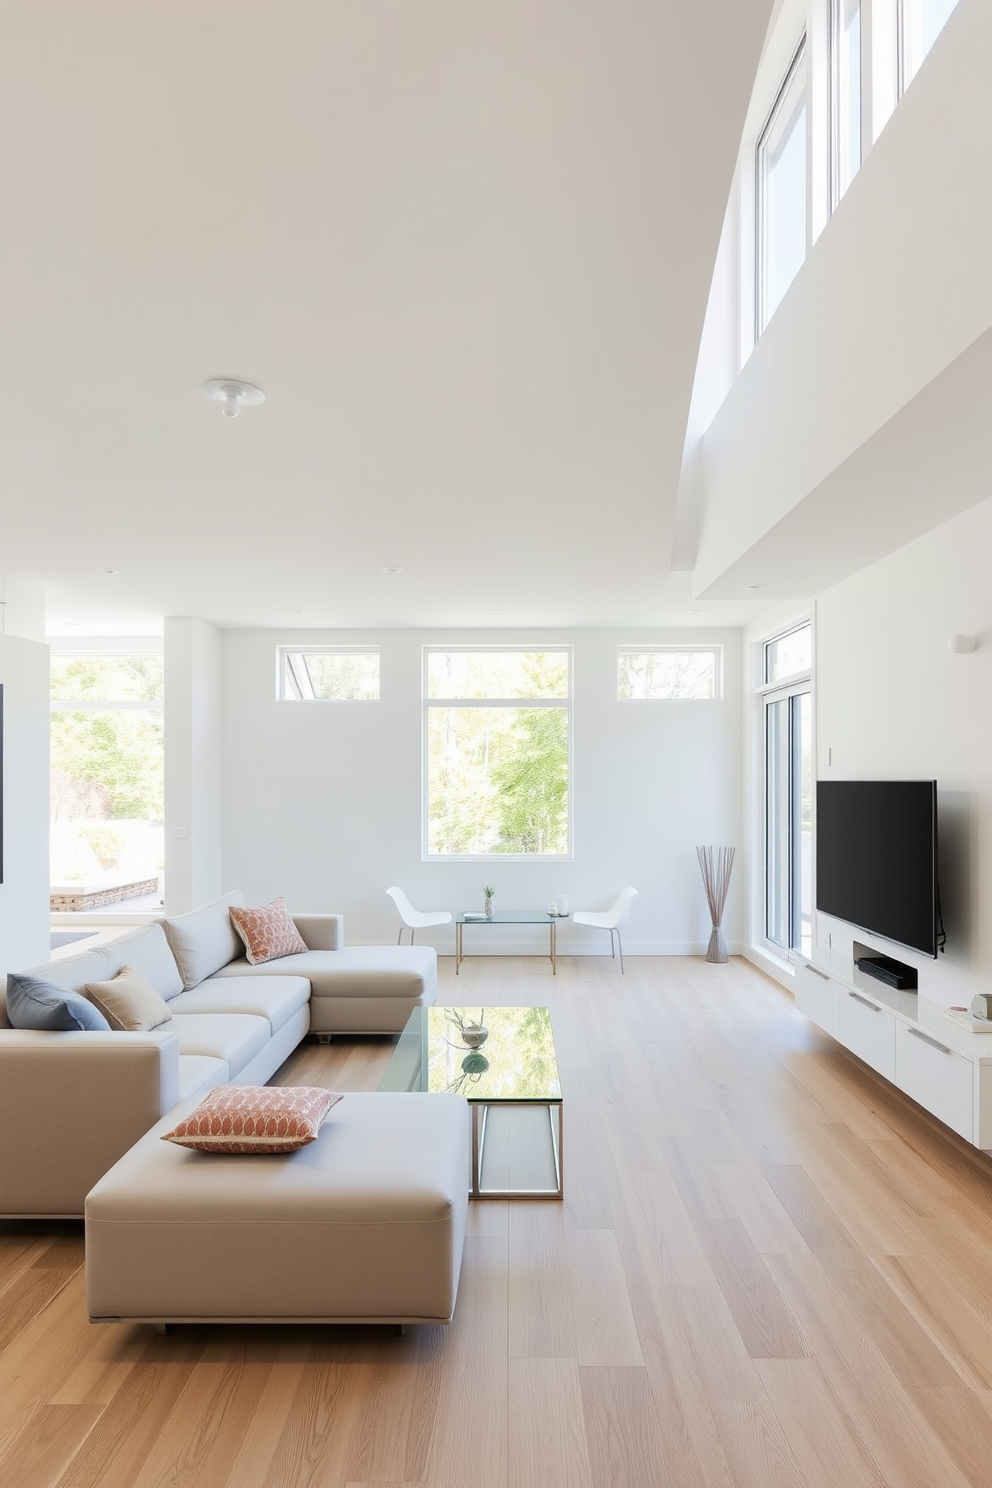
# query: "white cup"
562, 905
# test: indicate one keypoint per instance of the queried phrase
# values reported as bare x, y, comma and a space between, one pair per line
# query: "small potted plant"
487, 895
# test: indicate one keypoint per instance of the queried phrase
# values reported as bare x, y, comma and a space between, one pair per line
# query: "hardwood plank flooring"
769, 1269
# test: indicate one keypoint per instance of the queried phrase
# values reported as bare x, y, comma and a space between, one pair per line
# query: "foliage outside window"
325, 674
107, 773
669, 673
497, 752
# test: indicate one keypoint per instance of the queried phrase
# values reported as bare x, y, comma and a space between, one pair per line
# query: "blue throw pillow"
35, 1003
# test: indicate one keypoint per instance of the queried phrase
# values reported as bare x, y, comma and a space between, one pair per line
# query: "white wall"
894, 290
322, 803
192, 763
24, 898
893, 702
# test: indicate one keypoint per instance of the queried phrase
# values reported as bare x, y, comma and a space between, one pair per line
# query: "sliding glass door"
788, 791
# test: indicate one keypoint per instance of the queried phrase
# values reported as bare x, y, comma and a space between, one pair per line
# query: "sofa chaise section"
364, 1225
353, 989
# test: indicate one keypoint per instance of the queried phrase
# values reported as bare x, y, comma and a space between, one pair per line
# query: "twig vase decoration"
716, 866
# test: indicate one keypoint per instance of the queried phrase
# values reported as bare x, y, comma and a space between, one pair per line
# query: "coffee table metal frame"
509, 917
403, 1073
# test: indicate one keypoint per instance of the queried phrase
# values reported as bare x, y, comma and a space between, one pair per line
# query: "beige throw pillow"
129, 1002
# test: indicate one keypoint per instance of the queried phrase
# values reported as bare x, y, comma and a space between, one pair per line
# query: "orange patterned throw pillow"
255, 1118
268, 931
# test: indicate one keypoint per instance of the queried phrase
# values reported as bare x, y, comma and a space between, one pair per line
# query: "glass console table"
508, 917
510, 1079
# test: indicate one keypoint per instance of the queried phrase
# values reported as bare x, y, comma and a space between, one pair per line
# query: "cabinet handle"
864, 1001
816, 971
931, 1041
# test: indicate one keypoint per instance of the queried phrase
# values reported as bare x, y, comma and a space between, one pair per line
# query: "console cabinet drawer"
818, 996
937, 1078
868, 1030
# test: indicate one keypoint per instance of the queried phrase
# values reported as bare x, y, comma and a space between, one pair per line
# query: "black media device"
886, 969
876, 861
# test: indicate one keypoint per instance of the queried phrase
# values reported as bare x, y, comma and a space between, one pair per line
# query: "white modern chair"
609, 919
416, 919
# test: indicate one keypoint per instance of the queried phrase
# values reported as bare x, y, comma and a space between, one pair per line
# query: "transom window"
789, 654
669, 673
497, 727
328, 674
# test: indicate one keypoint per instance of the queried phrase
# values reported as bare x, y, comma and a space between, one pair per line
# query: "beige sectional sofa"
72, 1103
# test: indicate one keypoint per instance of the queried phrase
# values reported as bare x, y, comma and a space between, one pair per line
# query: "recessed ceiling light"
495, 612
390, 568
299, 612
756, 586
111, 570
695, 612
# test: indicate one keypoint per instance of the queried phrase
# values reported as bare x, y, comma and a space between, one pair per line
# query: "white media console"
906, 1038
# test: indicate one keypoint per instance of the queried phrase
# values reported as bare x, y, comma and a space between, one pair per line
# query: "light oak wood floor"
769, 1271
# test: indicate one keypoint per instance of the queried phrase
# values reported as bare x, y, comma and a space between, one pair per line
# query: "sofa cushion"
73, 972
254, 1119
276, 997
204, 940
147, 950
267, 931
234, 1037
198, 1074
35, 1003
129, 1002
368, 971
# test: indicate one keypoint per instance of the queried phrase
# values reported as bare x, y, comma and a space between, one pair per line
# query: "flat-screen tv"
876, 857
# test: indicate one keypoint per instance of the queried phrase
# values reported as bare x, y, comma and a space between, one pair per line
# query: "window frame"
796, 64
714, 649
82, 648
785, 688
834, 49
428, 703
285, 670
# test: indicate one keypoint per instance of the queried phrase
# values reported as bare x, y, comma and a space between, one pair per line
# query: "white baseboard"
475, 946
781, 971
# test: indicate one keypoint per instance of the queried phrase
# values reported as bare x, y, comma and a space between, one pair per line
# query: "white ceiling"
464, 246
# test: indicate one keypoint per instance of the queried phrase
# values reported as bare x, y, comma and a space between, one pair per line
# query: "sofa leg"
399, 1329
324, 1038
165, 1329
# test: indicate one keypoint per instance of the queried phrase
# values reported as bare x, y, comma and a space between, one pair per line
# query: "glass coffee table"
503, 1061
508, 917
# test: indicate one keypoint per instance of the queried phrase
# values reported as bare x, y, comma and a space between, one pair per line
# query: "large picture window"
107, 782
497, 731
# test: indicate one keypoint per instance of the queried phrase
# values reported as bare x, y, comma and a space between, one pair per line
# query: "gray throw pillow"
34, 1003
